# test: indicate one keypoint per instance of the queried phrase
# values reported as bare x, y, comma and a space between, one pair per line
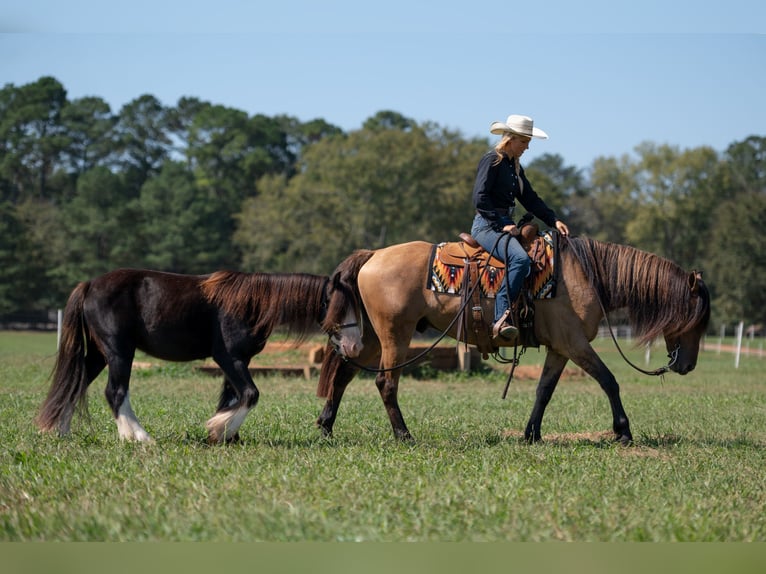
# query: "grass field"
696, 472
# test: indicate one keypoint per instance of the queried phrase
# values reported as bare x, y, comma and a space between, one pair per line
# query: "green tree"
38, 249
746, 166
13, 261
31, 138
88, 124
605, 211
738, 261
676, 202
559, 185
736, 248
98, 226
183, 227
142, 139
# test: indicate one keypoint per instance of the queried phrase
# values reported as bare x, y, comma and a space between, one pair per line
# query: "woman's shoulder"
490, 157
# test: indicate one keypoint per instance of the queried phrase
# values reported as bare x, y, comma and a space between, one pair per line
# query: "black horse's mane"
294, 300
655, 291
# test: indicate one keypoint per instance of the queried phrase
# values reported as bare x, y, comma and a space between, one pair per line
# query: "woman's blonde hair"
500, 149
501, 145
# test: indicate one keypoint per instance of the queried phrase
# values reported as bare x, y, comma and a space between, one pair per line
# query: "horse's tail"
344, 277
328, 374
70, 374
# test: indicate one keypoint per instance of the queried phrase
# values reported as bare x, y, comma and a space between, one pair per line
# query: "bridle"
335, 330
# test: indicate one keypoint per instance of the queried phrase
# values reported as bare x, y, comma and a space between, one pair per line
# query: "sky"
599, 76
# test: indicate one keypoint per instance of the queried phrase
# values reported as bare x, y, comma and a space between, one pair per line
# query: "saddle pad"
448, 278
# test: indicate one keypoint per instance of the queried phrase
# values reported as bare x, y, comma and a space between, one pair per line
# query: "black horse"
227, 316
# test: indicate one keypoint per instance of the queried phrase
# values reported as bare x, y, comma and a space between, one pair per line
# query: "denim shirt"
497, 188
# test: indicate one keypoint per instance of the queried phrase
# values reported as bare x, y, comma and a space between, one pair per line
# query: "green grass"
694, 474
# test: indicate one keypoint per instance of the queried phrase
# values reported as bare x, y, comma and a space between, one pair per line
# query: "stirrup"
504, 330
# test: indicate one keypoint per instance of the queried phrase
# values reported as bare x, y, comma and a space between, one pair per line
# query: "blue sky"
600, 77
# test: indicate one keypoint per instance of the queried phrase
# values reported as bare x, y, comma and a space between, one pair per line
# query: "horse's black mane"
654, 290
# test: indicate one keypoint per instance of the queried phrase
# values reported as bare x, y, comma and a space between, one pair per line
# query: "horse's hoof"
624, 440
233, 439
214, 439
532, 434
325, 430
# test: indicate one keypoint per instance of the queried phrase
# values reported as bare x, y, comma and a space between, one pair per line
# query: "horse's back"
399, 268
163, 314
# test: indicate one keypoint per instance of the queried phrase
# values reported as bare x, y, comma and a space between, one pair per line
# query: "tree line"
196, 187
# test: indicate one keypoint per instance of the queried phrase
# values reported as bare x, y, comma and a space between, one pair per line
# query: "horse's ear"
694, 278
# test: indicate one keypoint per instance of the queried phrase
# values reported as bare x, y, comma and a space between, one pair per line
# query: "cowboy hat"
521, 125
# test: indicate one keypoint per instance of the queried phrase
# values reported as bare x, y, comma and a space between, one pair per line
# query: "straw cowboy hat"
521, 125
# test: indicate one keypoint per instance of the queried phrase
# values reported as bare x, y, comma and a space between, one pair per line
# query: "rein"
673, 355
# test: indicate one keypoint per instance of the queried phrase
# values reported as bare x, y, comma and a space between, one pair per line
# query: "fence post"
740, 328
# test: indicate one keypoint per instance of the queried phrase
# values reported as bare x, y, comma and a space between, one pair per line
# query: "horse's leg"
552, 369
342, 374
335, 376
228, 399
394, 353
388, 387
238, 396
592, 364
118, 395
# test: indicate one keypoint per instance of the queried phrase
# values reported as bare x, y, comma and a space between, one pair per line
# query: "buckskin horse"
226, 315
593, 278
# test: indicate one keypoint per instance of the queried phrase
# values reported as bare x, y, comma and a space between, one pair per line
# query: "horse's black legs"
552, 369
238, 396
388, 384
343, 374
595, 367
335, 376
118, 397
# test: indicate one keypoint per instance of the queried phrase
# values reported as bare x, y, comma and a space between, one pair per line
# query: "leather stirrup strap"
479, 325
463, 322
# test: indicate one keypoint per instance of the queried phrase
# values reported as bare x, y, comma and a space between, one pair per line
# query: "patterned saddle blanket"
448, 268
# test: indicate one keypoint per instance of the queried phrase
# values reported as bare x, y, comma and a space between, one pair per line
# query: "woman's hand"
562, 228
511, 230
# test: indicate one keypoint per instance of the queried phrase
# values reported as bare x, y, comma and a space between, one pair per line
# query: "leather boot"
503, 329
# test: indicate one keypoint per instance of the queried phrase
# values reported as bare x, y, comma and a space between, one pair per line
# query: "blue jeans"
508, 250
